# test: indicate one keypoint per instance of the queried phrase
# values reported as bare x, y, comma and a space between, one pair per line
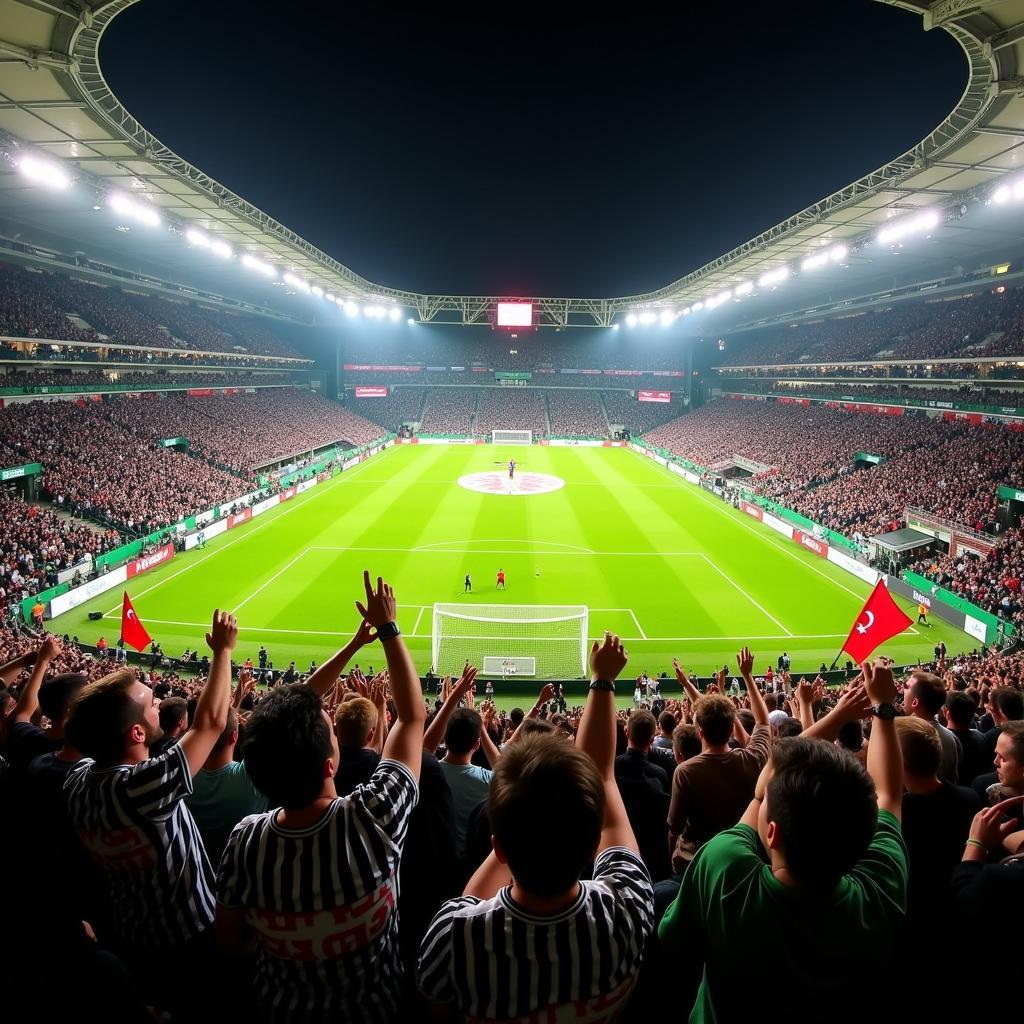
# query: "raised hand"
364, 634
380, 604
223, 634
879, 682
357, 682
855, 703
607, 660
988, 827
745, 661
49, 649
805, 691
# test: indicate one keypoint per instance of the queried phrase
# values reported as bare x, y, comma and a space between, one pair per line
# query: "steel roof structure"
54, 99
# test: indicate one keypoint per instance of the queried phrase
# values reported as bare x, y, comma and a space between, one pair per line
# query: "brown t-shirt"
710, 792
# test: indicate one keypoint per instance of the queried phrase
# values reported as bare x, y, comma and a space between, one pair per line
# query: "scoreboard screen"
515, 314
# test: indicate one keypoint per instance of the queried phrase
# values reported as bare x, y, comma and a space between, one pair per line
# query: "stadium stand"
511, 409
576, 414
951, 469
39, 305
449, 411
988, 323
402, 405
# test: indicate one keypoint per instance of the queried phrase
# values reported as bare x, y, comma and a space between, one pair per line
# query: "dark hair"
57, 693
851, 736
930, 691
790, 727
667, 722
686, 741
746, 719
716, 716
1009, 701
287, 740
463, 731
546, 806
961, 709
641, 728
515, 716
102, 714
823, 803
172, 711
538, 727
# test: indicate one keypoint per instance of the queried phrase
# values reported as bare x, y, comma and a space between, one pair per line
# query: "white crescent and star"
863, 628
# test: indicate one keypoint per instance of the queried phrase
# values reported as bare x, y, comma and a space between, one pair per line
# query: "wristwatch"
603, 684
388, 631
886, 712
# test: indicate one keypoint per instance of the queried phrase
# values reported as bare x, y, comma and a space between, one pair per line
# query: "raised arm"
546, 693
212, 707
434, 735
405, 741
10, 670
596, 737
745, 660
805, 704
330, 671
28, 701
854, 704
684, 680
378, 696
885, 761
491, 751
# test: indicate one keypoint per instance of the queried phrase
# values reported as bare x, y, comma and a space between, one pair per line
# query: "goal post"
549, 639
512, 437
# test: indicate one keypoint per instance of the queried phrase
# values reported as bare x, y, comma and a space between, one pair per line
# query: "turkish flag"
132, 631
880, 619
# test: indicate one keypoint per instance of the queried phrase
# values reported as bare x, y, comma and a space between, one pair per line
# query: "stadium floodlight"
44, 172
667, 317
745, 288
1003, 194
197, 238
615, 327
395, 314
351, 309
918, 224
698, 306
648, 318
297, 283
773, 277
686, 311
221, 249
318, 291
331, 297
374, 312
258, 265
142, 212
410, 321
833, 255
631, 319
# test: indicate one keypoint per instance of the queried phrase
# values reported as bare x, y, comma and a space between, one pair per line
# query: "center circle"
501, 483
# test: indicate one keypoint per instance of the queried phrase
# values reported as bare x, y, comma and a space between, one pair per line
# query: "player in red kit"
501, 580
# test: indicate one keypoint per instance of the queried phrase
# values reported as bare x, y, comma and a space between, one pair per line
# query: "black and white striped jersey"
497, 962
323, 902
133, 821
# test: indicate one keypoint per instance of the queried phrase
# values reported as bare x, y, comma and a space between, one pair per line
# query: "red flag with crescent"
132, 631
879, 620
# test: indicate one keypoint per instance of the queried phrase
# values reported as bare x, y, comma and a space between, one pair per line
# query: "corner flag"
132, 631
879, 620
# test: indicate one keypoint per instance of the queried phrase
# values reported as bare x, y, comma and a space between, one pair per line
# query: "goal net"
552, 637
511, 437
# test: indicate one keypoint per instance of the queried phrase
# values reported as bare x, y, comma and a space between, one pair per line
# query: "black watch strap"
886, 712
388, 631
603, 684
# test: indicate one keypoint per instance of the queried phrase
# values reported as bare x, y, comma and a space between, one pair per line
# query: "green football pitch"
672, 569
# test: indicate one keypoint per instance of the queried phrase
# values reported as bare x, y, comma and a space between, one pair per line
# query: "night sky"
523, 151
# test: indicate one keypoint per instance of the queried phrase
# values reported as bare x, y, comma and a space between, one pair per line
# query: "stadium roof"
53, 97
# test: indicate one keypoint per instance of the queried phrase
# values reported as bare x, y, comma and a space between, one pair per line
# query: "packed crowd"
511, 409
36, 544
40, 304
576, 413
96, 469
950, 469
401, 405
992, 582
449, 411
983, 323
344, 848
242, 431
622, 407
144, 380
973, 395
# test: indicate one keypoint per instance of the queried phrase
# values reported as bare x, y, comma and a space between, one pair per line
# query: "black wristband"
388, 631
602, 684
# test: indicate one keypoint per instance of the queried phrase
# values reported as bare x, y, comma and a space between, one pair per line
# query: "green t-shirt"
746, 927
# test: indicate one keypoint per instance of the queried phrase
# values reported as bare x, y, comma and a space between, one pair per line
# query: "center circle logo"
521, 483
